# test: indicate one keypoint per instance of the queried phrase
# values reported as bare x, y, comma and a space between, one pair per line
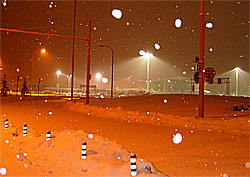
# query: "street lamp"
68, 82
43, 51
147, 57
112, 68
98, 76
58, 73
237, 69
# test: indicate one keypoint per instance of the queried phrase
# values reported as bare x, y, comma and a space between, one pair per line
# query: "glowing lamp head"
43, 51
98, 76
58, 72
148, 55
237, 69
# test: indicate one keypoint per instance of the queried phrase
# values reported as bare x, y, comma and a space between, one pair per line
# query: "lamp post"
68, 81
112, 68
237, 80
43, 51
147, 57
58, 73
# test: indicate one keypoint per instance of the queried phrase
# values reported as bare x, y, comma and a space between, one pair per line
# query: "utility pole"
73, 53
202, 60
17, 80
88, 64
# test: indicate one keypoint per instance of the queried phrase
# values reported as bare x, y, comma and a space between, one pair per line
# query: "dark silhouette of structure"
24, 89
4, 89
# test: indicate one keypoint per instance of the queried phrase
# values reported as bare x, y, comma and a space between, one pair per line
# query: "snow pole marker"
25, 128
84, 150
48, 136
6, 124
133, 165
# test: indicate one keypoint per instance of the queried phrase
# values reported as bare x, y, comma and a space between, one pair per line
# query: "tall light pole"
237, 80
43, 51
112, 69
58, 73
147, 57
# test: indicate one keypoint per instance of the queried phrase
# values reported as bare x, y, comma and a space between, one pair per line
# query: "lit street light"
68, 82
237, 80
43, 51
112, 68
147, 57
98, 76
58, 73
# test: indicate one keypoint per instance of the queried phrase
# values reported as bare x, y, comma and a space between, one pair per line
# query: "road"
201, 153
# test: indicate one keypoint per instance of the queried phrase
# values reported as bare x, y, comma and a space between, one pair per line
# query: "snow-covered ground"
144, 125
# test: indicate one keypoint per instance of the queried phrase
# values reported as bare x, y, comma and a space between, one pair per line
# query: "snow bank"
232, 125
33, 155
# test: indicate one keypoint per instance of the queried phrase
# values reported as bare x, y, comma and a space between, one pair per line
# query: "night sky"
142, 25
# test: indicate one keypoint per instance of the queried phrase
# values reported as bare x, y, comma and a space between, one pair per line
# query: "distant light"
3, 171
142, 52
90, 136
98, 75
157, 46
177, 139
165, 101
184, 72
178, 23
148, 55
237, 69
50, 113
105, 80
43, 50
127, 23
209, 25
117, 13
211, 49
192, 68
1, 68
18, 70
58, 72
169, 80
102, 97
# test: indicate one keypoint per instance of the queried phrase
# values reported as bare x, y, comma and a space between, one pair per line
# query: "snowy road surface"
203, 151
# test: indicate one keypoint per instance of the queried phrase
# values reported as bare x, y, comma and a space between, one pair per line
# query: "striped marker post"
6, 124
84, 150
48, 136
25, 130
133, 165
